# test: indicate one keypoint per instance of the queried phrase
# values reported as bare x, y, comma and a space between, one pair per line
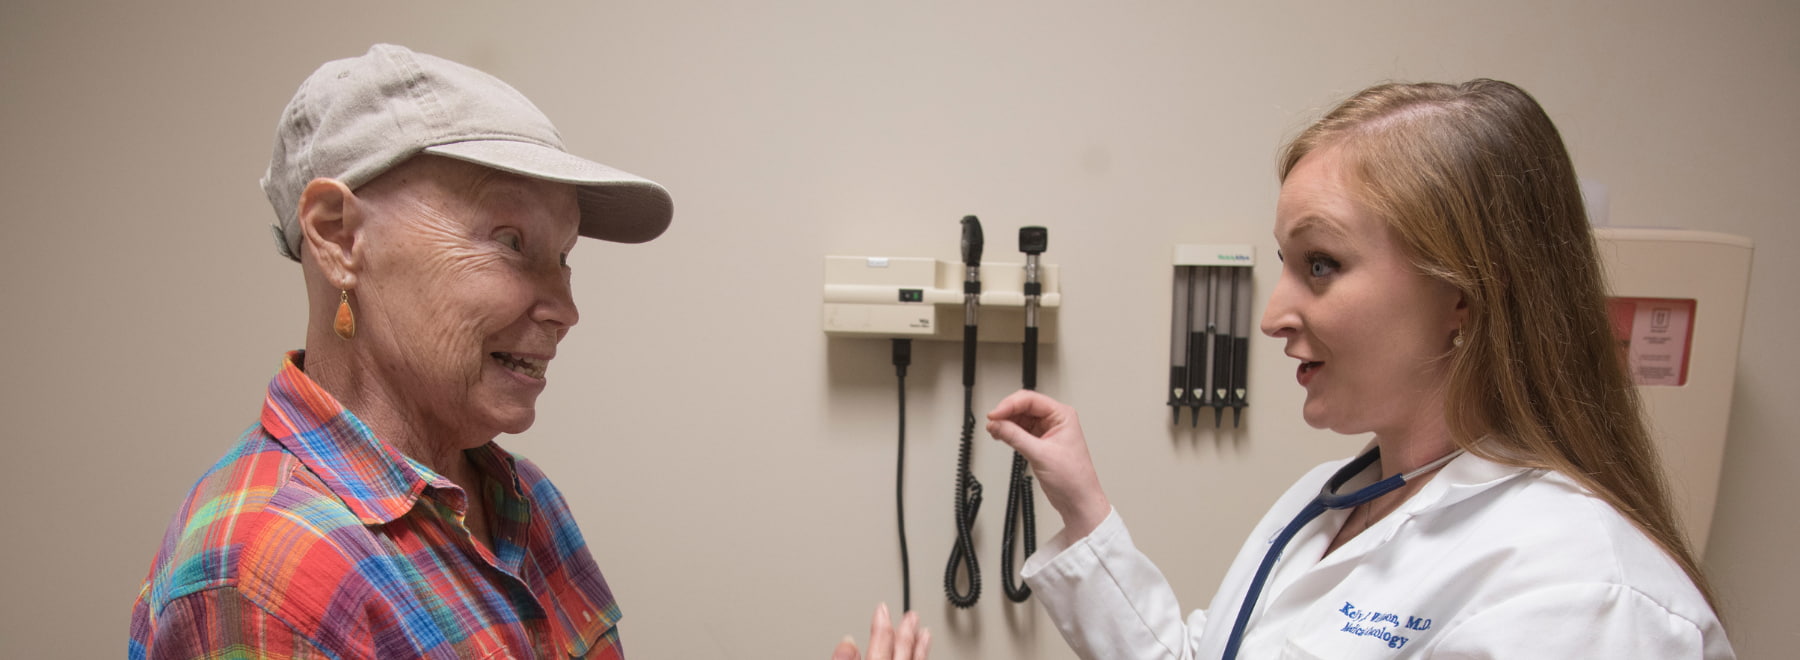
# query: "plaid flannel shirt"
313, 538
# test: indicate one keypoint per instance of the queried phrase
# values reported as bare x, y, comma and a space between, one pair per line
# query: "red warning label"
1655, 336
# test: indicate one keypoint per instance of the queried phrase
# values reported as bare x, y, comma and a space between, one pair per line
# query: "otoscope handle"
1033, 240
1221, 370
1197, 394
1030, 358
968, 366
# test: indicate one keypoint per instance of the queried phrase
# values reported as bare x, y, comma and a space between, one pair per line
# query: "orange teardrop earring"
345, 324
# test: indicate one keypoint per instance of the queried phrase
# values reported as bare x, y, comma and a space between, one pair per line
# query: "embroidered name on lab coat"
1383, 626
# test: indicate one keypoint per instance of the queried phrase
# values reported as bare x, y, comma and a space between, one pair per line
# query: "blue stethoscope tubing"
1328, 499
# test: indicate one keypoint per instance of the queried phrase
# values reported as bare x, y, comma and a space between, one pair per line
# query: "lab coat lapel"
1307, 577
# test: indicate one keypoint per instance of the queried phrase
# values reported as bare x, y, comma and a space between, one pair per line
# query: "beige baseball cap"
355, 118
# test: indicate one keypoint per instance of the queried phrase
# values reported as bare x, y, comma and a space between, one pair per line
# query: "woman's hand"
1049, 435
910, 642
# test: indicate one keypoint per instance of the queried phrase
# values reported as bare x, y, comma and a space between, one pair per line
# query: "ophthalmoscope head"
971, 241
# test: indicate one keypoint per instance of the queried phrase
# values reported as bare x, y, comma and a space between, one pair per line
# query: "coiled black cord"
1018, 505
968, 492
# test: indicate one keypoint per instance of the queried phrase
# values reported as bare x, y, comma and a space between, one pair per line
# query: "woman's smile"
530, 367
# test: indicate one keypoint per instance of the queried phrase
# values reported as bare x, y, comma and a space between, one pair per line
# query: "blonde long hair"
1476, 182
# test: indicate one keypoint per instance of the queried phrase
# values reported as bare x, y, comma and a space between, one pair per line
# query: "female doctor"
1440, 290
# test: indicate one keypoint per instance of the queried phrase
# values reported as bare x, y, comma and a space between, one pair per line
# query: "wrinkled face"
1372, 334
464, 293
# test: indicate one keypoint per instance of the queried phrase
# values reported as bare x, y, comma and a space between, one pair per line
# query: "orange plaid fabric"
313, 538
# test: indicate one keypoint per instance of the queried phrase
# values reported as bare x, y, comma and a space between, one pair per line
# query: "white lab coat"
1484, 561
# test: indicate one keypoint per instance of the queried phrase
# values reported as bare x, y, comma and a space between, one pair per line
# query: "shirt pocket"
1293, 651
1345, 647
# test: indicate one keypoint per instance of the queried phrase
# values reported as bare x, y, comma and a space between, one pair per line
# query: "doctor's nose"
1280, 318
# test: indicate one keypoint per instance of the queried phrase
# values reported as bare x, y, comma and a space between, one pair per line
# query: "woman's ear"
1461, 311
331, 225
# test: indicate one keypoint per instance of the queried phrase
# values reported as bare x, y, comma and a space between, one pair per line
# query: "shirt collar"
376, 481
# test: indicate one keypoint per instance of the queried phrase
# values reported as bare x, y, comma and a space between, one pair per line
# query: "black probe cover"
1178, 380
1240, 371
1222, 346
1197, 368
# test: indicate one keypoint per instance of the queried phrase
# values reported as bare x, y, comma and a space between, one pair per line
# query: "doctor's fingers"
1060, 425
1039, 450
1037, 414
1031, 409
1009, 432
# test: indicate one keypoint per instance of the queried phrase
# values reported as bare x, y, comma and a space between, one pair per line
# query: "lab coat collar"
1462, 478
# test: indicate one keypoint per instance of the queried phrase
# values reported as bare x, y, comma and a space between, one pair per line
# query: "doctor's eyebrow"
1312, 222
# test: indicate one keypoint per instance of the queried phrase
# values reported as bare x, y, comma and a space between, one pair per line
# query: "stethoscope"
1328, 499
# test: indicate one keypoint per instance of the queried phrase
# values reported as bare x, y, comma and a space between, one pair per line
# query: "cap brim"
616, 205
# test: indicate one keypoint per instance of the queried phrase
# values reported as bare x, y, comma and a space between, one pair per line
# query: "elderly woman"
369, 513
1440, 290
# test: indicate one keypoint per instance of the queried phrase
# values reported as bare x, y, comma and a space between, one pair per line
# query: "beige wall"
733, 468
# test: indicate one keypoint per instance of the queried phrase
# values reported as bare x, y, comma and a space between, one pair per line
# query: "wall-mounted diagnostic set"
888, 297
903, 298
1209, 331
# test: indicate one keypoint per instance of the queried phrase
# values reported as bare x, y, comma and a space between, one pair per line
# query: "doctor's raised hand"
1048, 433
